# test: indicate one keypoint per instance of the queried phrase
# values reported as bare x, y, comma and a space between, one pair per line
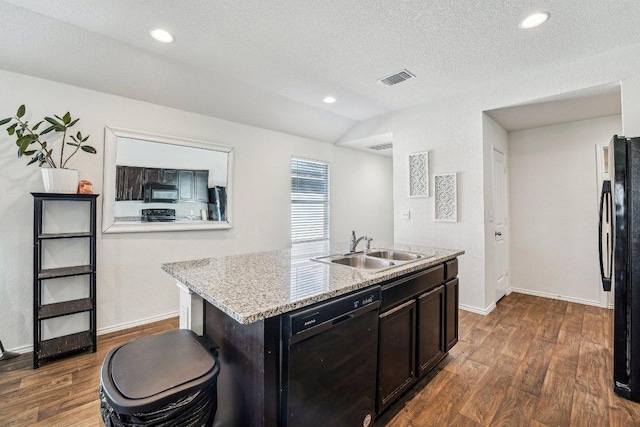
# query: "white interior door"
500, 222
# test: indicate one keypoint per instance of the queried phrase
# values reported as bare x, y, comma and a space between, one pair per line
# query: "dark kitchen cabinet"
418, 326
201, 186
452, 295
191, 184
170, 177
152, 175
129, 183
431, 328
185, 185
396, 353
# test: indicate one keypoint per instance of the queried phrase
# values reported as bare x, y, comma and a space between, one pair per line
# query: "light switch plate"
405, 215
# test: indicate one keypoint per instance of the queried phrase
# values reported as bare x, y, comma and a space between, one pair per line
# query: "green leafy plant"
32, 143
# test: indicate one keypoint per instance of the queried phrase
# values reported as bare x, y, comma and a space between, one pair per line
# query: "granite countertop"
252, 287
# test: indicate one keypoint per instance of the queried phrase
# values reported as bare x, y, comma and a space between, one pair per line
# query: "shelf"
65, 344
64, 196
85, 339
65, 308
54, 273
50, 236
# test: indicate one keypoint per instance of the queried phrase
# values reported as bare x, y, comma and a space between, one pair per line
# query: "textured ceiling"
271, 63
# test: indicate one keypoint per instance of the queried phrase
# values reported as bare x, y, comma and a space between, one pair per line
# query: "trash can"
168, 379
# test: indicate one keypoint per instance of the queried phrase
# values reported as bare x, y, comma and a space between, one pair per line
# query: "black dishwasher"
329, 362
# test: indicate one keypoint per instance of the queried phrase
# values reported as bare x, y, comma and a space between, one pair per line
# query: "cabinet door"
152, 175
170, 176
201, 189
121, 193
396, 353
431, 325
451, 313
133, 183
186, 181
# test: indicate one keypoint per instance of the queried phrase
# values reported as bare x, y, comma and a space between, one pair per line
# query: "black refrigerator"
620, 259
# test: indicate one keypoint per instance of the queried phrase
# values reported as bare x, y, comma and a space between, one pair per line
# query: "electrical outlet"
405, 215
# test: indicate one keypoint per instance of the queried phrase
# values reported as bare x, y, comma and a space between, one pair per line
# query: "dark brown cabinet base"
396, 353
418, 324
431, 326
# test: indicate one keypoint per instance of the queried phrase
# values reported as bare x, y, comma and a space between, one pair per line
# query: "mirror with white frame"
164, 183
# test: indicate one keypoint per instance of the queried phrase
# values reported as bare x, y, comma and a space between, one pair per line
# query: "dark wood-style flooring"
531, 362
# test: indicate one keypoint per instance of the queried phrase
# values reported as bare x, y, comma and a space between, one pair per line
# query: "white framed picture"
446, 197
419, 174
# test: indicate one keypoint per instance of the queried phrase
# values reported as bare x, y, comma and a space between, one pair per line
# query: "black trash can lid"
152, 365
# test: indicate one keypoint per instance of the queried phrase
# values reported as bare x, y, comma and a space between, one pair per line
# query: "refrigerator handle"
605, 199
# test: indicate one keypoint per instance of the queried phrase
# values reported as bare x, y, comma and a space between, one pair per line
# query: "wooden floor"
64, 392
531, 362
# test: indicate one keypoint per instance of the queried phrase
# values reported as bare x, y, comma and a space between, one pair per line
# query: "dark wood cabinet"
192, 184
452, 295
396, 353
418, 326
170, 176
129, 183
201, 190
431, 327
185, 185
152, 175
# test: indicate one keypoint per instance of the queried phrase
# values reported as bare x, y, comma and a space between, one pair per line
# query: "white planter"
60, 180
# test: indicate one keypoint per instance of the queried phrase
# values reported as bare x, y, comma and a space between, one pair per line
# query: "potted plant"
38, 144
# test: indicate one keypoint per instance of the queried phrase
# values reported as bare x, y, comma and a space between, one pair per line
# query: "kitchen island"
239, 301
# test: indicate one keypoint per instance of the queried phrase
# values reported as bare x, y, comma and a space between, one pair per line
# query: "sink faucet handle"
368, 240
353, 242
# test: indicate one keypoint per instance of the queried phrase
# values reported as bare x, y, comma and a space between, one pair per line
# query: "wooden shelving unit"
84, 340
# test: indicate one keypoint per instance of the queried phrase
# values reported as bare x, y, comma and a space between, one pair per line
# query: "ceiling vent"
394, 79
379, 147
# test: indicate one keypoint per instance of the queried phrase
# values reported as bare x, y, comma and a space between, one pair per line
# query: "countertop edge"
369, 279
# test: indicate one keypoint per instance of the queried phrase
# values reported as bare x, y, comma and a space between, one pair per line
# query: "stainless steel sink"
363, 262
395, 255
373, 261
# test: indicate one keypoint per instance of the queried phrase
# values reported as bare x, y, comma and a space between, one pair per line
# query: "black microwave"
154, 192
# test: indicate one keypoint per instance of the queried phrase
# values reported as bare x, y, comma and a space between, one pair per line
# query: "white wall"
451, 129
554, 197
131, 285
496, 137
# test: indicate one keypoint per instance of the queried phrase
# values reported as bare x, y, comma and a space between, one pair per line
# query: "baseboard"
22, 350
558, 297
127, 325
115, 328
476, 310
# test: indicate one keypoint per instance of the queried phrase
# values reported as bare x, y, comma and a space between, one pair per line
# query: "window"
309, 200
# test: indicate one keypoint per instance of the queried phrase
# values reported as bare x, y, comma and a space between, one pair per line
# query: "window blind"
309, 200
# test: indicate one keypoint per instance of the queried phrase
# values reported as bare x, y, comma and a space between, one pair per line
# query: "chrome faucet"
353, 243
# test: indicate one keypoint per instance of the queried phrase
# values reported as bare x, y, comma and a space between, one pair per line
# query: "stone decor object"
419, 174
445, 188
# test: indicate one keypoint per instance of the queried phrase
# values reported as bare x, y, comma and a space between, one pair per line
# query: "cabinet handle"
398, 308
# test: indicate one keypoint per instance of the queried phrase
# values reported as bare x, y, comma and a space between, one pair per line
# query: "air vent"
379, 147
394, 79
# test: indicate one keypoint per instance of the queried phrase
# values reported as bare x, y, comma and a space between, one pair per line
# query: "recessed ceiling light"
534, 20
161, 35
329, 100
